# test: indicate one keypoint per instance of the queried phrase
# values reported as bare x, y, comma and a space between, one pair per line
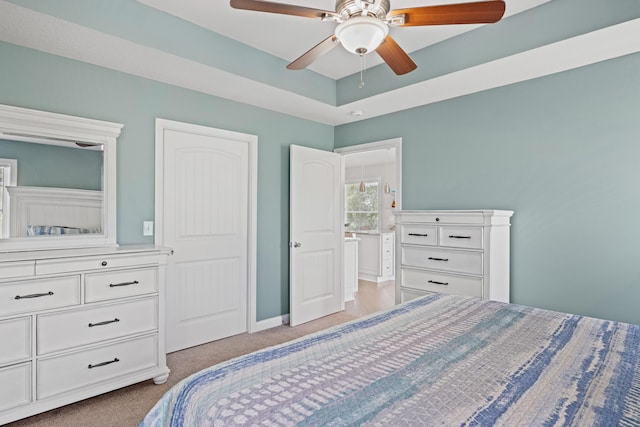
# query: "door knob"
297, 244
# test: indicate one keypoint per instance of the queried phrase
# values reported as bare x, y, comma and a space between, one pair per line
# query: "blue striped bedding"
438, 360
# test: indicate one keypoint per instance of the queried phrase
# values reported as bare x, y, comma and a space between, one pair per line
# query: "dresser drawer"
12, 269
74, 328
15, 336
15, 386
42, 294
64, 373
387, 267
461, 237
442, 259
419, 235
120, 284
387, 250
442, 283
64, 265
443, 217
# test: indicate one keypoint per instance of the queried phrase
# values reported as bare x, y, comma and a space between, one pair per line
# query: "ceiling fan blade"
483, 12
395, 57
314, 53
285, 9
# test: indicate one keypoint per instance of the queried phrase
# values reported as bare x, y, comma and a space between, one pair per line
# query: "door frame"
163, 125
380, 145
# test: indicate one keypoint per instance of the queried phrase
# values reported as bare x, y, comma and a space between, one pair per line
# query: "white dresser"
455, 252
376, 256
75, 323
350, 267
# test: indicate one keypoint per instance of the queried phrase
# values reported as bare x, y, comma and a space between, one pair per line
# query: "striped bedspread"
436, 361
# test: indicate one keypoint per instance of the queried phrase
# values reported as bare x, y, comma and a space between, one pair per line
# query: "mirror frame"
23, 124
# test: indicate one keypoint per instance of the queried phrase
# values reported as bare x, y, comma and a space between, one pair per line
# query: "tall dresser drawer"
387, 267
64, 373
461, 237
15, 336
442, 283
442, 259
387, 251
15, 386
42, 294
120, 284
69, 329
419, 235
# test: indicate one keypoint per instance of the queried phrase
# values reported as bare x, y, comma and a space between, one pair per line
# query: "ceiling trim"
35, 30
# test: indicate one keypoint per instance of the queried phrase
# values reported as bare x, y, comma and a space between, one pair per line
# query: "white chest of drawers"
78, 323
455, 252
376, 257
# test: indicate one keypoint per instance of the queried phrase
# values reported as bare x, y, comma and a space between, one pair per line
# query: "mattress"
438, 360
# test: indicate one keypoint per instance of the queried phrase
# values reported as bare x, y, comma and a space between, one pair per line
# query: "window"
362, 207
8, 173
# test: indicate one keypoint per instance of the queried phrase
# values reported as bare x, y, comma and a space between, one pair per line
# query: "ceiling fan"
363, 25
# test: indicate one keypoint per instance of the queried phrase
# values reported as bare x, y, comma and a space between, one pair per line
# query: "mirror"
57, 179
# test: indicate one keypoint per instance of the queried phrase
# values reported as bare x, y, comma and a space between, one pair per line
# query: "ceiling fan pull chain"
362, 59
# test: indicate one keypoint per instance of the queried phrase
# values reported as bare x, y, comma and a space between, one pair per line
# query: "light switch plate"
147, 228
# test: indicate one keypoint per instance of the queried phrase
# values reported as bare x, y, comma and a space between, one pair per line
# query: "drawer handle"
459, 237
103, 263
108, 362
106, 322
418, 234
438, 259
439, 283
46, 294
114, 285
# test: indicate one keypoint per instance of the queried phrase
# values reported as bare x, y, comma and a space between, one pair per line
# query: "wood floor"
371, 297
128, 406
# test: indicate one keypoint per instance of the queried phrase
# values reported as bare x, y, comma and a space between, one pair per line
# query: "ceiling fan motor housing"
373, 8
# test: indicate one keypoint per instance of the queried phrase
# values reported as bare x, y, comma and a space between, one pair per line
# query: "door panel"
206, 224
316, 233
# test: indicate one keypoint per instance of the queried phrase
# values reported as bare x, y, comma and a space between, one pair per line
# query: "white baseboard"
375, 279
271, 323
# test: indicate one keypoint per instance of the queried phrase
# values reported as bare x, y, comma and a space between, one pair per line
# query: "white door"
316, 234
205, 180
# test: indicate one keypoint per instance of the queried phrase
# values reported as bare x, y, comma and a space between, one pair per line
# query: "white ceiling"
288, 37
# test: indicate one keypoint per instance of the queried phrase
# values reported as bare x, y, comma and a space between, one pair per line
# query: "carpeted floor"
126, 407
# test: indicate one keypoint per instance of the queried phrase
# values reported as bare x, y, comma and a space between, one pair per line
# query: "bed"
437, 360
38, 211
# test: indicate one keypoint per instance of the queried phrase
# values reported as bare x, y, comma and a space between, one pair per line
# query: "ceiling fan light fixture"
361, 34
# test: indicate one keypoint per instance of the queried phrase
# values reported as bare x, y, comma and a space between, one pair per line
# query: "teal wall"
562, 152
41, 81
42, 165
559, 150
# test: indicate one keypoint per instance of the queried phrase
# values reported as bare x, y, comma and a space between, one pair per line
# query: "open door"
316, 234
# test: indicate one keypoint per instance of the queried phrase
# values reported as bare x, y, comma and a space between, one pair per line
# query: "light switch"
147, 228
